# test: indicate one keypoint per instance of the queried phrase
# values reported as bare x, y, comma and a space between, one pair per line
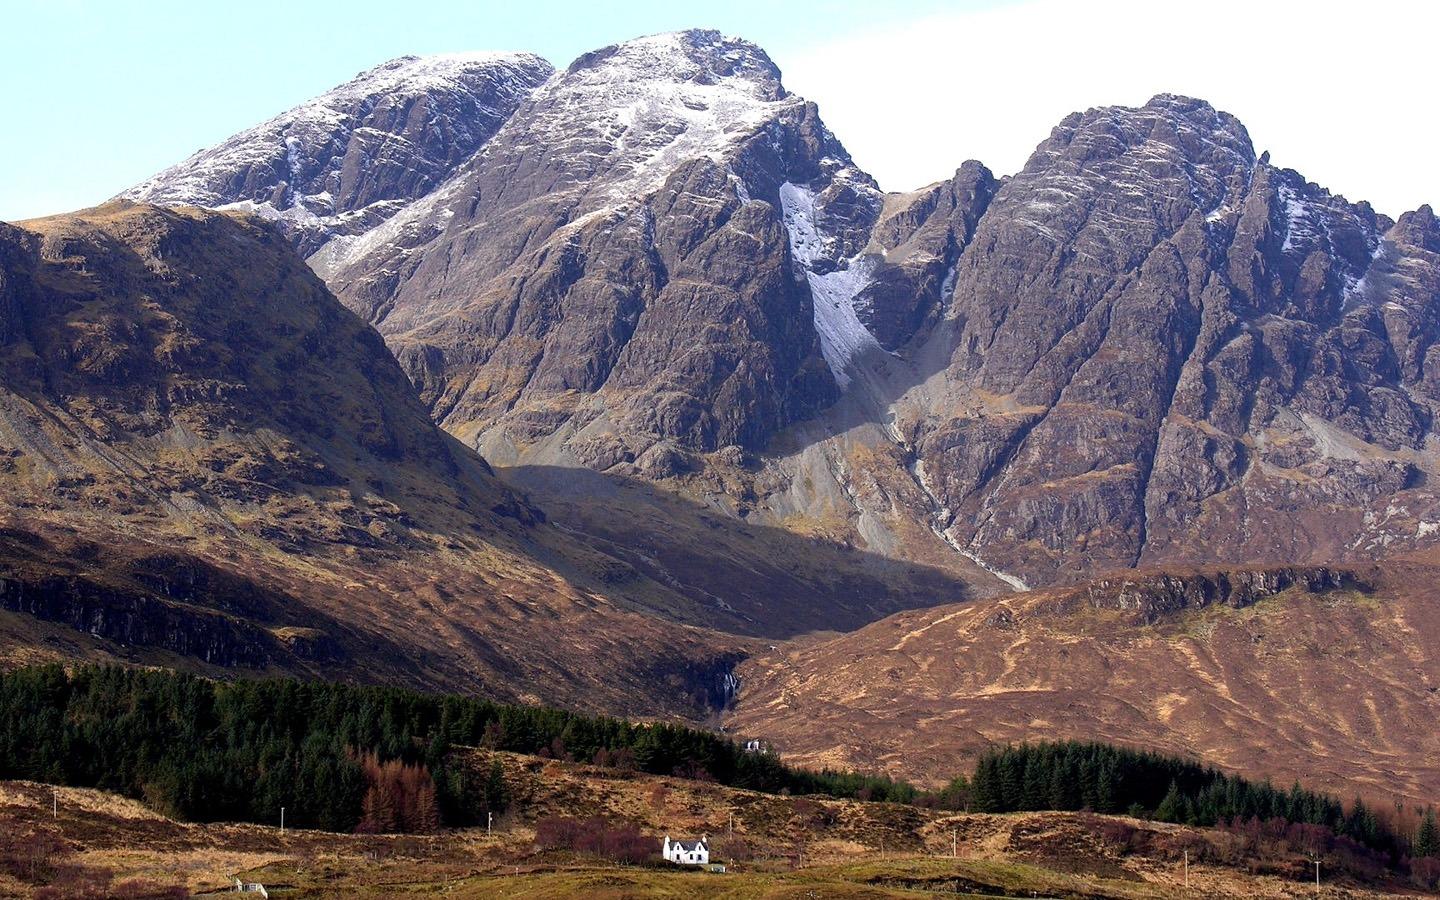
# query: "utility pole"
1187, 868
955, 843
55, 803
282, 820
1317, 877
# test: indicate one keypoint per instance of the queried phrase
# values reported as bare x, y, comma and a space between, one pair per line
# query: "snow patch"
1006, 577
940, 523
843, 338
947, 285
741, 191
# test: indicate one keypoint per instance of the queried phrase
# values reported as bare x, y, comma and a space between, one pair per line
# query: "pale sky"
1348, 94
101, 94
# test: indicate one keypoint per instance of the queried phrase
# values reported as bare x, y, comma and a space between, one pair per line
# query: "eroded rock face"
349, 159
1180, 352
140, 620
921, 235
615, 267
1152, 596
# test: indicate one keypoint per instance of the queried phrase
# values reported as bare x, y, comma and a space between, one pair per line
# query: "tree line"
1074, 775
345, 757
336, 756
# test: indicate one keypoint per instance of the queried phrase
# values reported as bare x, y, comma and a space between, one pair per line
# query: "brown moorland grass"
796, 847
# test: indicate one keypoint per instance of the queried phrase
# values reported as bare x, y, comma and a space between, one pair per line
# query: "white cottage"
687, 853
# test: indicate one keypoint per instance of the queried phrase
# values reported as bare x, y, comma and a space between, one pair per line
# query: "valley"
620, 387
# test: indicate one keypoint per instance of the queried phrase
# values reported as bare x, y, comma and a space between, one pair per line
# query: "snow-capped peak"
644, 106
348, 159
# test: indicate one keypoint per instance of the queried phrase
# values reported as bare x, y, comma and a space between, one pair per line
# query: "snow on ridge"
1310, 223
1356, 289
1134, 155
648, 105
402, 231
201, 179
421, 74
621, 119
843, 338
1297, 216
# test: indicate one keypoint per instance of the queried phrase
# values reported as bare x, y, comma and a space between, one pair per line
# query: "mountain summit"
347, 160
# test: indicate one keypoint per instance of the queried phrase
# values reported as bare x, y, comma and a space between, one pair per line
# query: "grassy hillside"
798, 847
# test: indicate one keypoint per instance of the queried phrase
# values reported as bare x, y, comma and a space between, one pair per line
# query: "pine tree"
497, 796
1427, 837
1012, 780
985, 787
1172, 807
1105, 788
1036, 793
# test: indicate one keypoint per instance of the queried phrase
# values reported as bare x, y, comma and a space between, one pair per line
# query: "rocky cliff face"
628, 262
349, 159
1175, 350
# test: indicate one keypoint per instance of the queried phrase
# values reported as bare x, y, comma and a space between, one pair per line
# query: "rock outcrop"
1153, 596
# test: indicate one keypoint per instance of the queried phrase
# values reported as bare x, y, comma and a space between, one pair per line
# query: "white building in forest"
687, 853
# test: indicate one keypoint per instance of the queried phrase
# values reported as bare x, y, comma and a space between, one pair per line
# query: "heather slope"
210, 461
1311, 673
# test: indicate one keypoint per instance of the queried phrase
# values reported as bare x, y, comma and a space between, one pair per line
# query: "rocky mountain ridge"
595, 271
344, 162
1149, 345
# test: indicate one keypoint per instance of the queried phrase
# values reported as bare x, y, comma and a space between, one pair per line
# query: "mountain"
209, 462
1148, 346
1172, 351
663, 300
347, 160
612, 271
1321, 674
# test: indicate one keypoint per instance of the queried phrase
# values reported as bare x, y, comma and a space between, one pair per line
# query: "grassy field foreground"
100, 845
